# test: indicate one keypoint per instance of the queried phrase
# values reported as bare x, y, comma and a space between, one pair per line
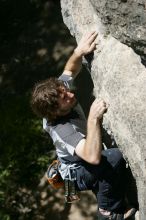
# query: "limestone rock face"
125, 20
118, 73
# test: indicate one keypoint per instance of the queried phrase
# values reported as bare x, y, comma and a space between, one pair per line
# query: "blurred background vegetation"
35, 44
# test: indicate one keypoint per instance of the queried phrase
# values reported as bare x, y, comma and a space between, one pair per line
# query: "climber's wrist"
78, 52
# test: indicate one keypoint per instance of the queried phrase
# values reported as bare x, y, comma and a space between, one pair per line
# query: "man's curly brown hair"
44, 98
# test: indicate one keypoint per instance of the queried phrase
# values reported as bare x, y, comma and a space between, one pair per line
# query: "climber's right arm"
86, 45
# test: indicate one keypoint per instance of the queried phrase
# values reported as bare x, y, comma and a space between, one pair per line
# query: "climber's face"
66, 100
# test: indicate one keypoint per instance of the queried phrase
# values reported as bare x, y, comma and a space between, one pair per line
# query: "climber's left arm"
86, 45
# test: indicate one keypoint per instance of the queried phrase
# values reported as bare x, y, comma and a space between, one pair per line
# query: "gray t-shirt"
67, 132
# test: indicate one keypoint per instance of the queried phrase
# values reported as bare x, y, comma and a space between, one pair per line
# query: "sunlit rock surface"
118, 72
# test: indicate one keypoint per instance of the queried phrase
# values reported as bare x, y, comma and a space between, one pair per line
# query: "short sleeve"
65, 137
68, 80
69, 135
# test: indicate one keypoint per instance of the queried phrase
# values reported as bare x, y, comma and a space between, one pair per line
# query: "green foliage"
29, 37
24, 149
4, 216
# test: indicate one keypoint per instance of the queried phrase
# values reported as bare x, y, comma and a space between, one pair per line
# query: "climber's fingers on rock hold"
92, 38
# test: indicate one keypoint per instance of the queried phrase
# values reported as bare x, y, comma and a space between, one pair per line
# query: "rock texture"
125, 20
118, 73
